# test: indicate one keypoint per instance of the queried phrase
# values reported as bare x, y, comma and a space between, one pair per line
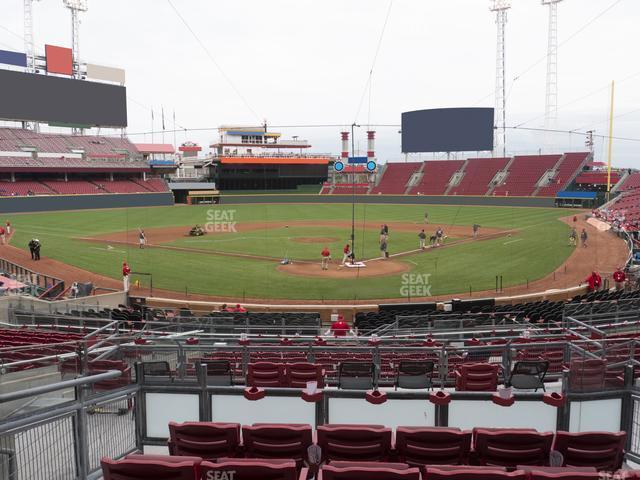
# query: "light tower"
551, 100
29, 48
500, 7
76, 6
29, 51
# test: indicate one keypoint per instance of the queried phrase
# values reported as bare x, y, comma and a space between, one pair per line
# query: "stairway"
555, 171
505, 169
410, 185
451, 184
48, 187
141, 184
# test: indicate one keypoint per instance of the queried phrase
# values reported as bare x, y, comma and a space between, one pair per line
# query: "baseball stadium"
451, 292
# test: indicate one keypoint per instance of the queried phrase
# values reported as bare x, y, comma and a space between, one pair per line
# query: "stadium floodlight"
551, 97
79, 5
500, 7
76, 6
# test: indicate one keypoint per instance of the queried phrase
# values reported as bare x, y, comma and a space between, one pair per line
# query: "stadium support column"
500, 7
551, 98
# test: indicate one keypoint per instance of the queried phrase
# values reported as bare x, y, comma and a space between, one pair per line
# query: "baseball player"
326, 257
423, 239
584, 237
346, 253
142, 239
126, 270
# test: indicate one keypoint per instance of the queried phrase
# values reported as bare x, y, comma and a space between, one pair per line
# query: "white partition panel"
390, 414
163, 408
467, 414
237, 409
596, 415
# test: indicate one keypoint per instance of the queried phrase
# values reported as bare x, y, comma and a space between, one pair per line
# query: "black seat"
156, 371
356, 375
414, 374
219, 372
529, 374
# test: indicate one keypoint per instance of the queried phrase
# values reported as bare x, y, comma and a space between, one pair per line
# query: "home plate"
355, 265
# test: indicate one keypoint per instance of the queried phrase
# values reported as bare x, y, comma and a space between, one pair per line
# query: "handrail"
30, 392
101, 329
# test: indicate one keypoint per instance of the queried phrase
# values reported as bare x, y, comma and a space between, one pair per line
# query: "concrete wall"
50, 203
392, 199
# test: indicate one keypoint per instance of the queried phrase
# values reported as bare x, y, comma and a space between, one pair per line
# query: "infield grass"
535, 250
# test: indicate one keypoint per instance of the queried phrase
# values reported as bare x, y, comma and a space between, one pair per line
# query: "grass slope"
539, 248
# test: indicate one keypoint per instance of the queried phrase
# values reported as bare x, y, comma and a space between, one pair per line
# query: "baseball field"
240, 255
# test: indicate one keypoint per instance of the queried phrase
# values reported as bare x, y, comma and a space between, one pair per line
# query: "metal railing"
28, 276
177, 324
67, 440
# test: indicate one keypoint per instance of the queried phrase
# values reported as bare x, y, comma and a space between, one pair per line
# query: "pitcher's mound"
374, 268
314, 239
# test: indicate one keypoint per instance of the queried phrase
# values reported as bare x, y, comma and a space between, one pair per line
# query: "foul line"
513, 241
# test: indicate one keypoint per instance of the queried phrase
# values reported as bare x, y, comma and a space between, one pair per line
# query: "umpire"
34, 248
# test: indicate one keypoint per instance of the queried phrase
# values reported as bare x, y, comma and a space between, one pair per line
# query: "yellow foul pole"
613, 85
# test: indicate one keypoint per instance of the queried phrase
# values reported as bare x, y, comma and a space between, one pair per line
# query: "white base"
355, 265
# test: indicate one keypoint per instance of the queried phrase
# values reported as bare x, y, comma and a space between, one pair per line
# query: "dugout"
577, 199
202, 197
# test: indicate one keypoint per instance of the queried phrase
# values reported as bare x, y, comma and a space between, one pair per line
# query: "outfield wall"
50, 203
392, 199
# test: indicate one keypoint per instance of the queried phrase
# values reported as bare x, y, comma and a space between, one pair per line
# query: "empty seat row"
141, 467
413, 445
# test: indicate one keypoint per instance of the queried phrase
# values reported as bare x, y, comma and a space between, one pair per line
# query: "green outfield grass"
292, 242
538, 248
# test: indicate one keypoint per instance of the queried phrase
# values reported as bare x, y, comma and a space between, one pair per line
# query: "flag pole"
613, 84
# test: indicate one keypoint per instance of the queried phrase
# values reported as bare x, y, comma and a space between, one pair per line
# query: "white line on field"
513, 241
108, 250
410, 261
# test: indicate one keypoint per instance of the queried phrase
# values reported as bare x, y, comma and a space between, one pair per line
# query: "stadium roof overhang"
28, 169
274, 160
155, 148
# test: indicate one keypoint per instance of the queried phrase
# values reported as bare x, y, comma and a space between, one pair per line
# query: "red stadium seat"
432, 445
151, 469
204, 439
266, 374
369, 472
354, 442
251, 469
298, 374
602, 450
477, 377
262, 440
587, 375
512, 447
473, 473
562, 473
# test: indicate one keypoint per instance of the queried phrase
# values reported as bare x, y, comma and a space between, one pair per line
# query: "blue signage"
361, 160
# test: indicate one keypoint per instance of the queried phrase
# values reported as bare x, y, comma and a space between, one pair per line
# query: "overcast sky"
299, 62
